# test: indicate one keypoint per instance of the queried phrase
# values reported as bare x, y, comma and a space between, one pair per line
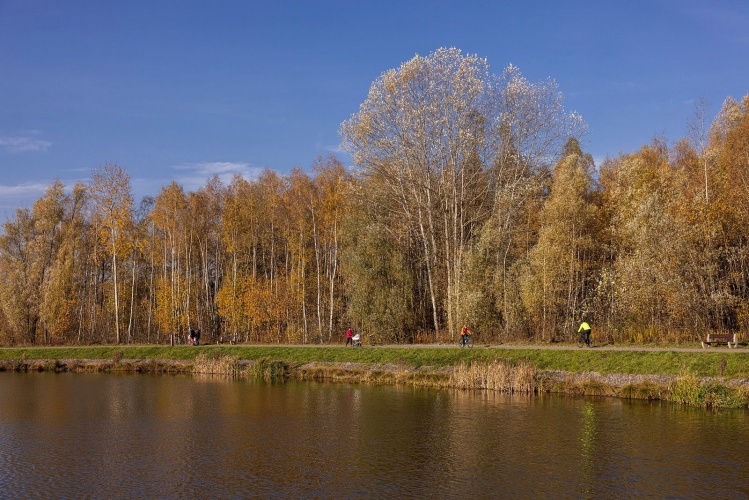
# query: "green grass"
639, 362
700, 364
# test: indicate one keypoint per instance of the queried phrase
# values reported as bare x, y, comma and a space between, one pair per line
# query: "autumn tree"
378, 281
528, 137
47, 214
37, 258
19, 289
112, 205
729, 208
333, 188
418, 135
441, 136
252, 220
315, 206
206, 206
62, 293
170, 220
146, 249
653, 270
562, 263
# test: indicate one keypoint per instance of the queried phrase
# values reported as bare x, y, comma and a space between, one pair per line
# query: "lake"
140, 436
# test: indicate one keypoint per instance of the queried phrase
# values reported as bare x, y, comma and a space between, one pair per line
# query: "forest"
470, 201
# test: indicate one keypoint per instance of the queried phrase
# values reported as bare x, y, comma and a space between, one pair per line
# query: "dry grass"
593, 387
268, 370
367, 374
583, 386
216, 364
94, 365
500, 375
645, 390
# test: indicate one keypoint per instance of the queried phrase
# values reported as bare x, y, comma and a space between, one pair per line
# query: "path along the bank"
559, 347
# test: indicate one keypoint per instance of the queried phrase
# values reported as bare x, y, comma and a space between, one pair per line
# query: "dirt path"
559, 347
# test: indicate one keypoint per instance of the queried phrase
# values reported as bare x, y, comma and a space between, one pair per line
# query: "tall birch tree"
432, 135
112, 199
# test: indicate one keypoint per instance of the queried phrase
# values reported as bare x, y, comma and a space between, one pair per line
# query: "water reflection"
587, 443
179, 437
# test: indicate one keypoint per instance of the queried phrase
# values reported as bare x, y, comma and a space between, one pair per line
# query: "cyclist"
584, 332
465, 334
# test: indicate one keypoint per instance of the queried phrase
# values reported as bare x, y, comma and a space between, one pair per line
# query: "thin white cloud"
336, 149
24, 144
31, 188
220, 168
196, 174
20, 196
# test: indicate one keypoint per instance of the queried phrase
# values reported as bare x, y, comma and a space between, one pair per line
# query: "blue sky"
179, 90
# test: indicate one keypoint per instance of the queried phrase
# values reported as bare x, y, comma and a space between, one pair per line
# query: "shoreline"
501, 375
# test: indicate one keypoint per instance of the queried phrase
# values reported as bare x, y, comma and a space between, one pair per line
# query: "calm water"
107, 436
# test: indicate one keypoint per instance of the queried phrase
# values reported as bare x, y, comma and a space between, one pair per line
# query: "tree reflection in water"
588, 442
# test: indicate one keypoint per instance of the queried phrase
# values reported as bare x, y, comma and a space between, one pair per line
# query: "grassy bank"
708, 363
713, 378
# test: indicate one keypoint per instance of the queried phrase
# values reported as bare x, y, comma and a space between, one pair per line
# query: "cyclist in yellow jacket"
584, 332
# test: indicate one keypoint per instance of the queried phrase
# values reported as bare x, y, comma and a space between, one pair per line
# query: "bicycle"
584, 339
466, 340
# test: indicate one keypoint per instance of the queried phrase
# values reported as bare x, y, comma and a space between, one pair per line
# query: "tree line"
471, 201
